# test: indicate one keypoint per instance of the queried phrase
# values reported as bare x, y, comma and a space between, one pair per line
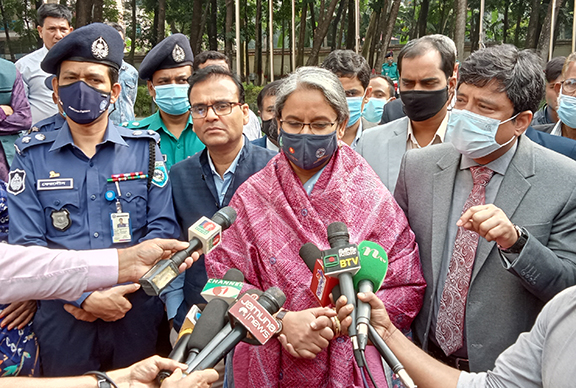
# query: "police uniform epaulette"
34, 139
139, 134
41, 124
138, 124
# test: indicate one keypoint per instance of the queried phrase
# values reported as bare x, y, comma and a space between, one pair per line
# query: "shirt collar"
438, 137
358, 135
557, 130
64, 136
157, 124
232, 168
499, 165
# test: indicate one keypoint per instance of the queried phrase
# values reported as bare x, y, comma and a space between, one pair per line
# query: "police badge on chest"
61, 219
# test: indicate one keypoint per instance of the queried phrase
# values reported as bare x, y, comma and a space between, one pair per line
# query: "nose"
211, 114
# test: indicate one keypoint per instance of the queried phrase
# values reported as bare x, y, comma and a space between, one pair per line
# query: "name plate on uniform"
55, 184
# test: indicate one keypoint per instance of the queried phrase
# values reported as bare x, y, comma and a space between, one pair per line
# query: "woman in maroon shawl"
314, 181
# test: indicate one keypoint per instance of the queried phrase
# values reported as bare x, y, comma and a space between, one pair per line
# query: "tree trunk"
98, 15
350, 33
474, 31
258, 43
380, 31
202, 27
533, 25
312, 17
320, 34
212, 28
7, 32
423, 17
133, 33
370, 34
335, 25
544, 40
460, 27
283, 44
505, 21
442, 23
228, 33
83, 10
375, 40
195, 25
302, 35
342, 25
161, 20
412, 31
519, 13
388, 35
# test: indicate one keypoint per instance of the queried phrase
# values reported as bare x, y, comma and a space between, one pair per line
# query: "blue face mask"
172, 98
474, 135
373, 110
83, 103
308, 151
567, 109
355, 108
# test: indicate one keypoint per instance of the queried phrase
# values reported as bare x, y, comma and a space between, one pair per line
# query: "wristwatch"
279, 317
519, 244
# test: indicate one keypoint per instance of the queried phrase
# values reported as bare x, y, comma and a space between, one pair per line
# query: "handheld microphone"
205, 234
321, 285
374, 262
227, 288
252, 315
342, 260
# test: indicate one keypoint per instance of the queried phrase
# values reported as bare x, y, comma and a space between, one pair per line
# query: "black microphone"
218, 338
212, 320
343, 262
205, 234
270, 302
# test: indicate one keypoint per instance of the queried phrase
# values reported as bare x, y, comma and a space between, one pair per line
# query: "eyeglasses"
569, 85
297, 126
200, 111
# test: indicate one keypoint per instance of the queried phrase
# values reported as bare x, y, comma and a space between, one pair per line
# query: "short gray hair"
314, 78
516, 72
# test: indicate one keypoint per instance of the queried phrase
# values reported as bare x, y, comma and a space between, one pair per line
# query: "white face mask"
474, 135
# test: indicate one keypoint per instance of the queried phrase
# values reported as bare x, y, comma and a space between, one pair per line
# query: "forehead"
307, 104
423, 66
268, 100
570, 71
174, 72
55, 22
214, 89
351, 83
83, 67
379, 83
214, 62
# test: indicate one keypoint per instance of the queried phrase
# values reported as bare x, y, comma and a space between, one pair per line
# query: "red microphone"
321, 285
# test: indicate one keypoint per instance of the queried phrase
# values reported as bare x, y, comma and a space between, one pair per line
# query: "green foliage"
143, 105
252, 91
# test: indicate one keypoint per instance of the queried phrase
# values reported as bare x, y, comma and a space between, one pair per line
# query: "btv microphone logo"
255, 318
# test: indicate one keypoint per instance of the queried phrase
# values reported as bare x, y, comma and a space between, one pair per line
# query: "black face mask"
420, 105
270, 128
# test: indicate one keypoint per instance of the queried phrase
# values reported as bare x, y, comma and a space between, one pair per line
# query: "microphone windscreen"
234, 275
212, 320
225, 217
337, 234
275, 295
373, 262
309, 254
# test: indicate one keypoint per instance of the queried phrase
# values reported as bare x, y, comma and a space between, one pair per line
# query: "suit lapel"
396, 149
512, 190
443, 190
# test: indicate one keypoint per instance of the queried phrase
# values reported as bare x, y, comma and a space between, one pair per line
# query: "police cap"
174, 51
95, 42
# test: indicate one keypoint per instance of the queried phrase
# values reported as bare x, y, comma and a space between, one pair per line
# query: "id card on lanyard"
120, 223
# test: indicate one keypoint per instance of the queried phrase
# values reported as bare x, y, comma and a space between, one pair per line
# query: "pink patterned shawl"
275, 218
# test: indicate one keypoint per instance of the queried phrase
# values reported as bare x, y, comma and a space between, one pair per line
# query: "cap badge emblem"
100, 48
178, 54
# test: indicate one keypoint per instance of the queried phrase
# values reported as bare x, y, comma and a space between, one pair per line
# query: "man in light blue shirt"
53, 24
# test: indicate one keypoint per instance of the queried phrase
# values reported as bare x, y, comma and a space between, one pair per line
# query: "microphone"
212, 320
227, 288
205, 234
342, 260
374, 265
251, 315
321, 285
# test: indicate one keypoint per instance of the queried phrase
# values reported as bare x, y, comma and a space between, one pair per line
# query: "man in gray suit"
354, 74
427, 81
510, 237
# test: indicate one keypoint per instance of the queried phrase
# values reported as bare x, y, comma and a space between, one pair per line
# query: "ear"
557, 87
391, 98
522, 122
39, 28
151, 90
245, 108
368, 95
55, 89
452, 82
115, 92
341, 130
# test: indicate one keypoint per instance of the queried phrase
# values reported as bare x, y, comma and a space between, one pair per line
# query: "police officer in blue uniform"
90, 185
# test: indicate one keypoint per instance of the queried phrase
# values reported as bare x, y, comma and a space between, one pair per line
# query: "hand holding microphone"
205, 234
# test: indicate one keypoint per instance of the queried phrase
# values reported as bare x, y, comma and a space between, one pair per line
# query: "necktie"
450, 323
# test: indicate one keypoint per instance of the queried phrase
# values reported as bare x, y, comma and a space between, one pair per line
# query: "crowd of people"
451, 167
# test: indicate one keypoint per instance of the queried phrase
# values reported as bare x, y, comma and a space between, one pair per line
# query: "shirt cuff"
102, 268
508, 259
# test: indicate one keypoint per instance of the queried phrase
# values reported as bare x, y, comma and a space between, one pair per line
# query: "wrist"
518, 245
121, 377
279, 316
126, 264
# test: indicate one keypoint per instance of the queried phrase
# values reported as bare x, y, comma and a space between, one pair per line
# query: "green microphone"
373, 268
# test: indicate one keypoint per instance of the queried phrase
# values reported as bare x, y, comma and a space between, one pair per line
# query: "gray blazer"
537, 192
383, 147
